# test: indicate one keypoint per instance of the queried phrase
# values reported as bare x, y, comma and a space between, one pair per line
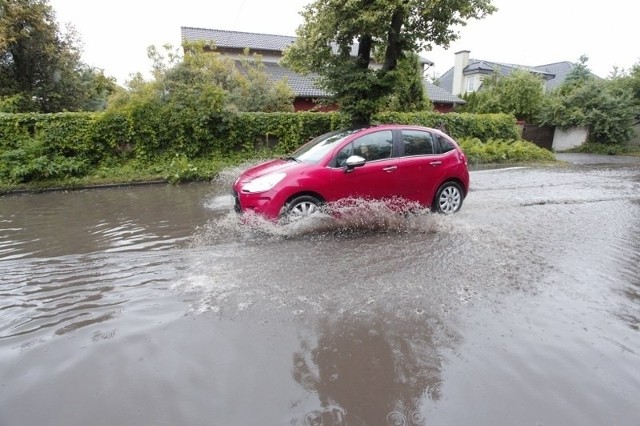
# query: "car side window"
344, 153
374, 146
445, 144
417, 142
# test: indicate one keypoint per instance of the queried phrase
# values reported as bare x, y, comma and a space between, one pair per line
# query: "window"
417, 143
314, 150
445, 144
374, 146
471, 83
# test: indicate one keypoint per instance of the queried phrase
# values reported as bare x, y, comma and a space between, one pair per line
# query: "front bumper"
236, 202
267, 204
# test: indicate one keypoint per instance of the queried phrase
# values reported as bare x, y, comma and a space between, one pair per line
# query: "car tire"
300, 207
448, 199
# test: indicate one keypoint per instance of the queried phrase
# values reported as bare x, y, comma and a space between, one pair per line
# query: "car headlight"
263, 183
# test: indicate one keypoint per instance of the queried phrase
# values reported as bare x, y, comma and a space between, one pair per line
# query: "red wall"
308, 104
443, 108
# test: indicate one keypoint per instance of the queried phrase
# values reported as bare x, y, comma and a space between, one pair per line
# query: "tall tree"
40, 66
332, 28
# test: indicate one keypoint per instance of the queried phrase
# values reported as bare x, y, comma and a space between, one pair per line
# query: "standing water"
157, 305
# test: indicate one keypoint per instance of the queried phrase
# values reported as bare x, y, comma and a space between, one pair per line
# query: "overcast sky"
116, 33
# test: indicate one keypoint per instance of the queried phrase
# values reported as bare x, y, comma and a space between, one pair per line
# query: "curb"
81, 188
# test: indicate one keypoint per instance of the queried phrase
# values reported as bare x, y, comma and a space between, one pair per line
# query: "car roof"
395, 126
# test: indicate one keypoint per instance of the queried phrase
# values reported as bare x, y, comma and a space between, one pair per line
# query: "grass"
169, 170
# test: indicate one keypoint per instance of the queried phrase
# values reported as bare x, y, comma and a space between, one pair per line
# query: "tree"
577, 77
394, 27
40, 67
408, 93
521, 93
606, 107
629, 81
243, 85
254, 91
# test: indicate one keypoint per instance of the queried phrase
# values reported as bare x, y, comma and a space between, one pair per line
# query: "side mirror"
354, 161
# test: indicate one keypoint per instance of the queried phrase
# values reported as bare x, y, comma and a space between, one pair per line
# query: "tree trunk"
365, 44
394, 46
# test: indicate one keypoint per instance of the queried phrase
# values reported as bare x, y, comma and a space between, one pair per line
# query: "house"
271, 47
442, 100
467, 74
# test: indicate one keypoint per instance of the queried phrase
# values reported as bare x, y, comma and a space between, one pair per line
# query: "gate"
539, 135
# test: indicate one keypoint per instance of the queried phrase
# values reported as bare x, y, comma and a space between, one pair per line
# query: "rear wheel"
448, 198
300, 207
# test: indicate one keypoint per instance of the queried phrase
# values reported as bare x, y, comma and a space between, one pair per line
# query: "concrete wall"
564, 139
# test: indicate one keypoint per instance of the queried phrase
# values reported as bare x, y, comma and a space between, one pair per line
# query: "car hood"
273, 166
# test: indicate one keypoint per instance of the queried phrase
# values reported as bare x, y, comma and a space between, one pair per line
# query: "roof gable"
559, 70
553, 74
481, 65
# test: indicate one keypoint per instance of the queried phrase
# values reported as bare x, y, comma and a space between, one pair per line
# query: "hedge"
41, 146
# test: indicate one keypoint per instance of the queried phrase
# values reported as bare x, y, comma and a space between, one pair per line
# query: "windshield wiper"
290, 159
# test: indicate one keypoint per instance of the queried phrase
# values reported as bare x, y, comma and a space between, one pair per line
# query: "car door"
376, 179
421, 166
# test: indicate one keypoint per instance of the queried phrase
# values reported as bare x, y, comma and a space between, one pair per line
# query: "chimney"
461, 61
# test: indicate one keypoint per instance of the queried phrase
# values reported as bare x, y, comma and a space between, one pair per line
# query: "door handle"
390, 169
436, 163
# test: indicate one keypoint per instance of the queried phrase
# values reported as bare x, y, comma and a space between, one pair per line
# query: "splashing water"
341, 218
227, 176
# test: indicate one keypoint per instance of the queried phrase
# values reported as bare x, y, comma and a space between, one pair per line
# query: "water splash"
342, 218
226, 177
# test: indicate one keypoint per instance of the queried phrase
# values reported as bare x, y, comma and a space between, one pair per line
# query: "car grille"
236, 202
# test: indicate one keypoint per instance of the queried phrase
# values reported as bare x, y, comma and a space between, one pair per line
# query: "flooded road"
155, 305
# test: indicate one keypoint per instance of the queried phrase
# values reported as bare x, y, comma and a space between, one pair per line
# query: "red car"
418, 164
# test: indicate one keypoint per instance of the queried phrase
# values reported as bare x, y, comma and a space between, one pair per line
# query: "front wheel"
448, 198
300, 207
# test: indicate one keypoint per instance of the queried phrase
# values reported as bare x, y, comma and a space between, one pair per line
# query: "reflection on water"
61, 295
367, 371
134, 219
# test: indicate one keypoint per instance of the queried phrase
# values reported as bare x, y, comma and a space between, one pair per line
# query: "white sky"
116, 33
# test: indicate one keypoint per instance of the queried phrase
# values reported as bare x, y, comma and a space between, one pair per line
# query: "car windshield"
314, 150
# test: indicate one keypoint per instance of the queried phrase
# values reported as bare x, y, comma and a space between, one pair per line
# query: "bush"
181, 170
503, 151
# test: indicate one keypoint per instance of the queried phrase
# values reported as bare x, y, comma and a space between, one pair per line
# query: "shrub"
181, 170
503, 151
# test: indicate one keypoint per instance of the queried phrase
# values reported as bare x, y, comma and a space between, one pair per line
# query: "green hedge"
44, 146
458, 125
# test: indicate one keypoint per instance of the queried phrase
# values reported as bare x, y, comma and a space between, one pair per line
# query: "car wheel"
300, 207
448, 198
